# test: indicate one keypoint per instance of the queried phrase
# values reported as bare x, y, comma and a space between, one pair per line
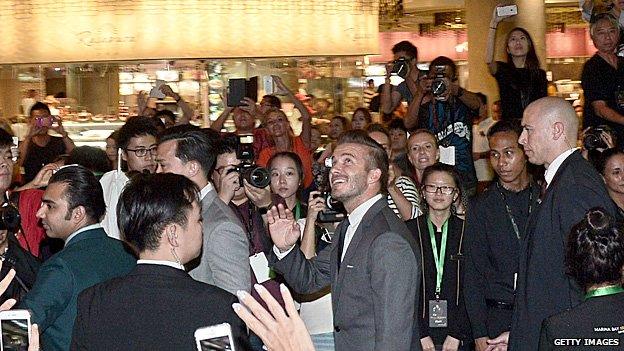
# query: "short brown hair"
376, 158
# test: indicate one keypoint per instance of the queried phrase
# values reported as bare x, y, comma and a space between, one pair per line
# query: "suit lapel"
362, 229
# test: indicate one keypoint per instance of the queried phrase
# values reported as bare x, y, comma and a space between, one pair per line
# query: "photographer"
404, 65
147, 107
39, 148
596, 140
444, 108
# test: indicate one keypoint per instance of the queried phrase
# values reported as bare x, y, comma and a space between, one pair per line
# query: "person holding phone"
520, 79
39, 148
443, 319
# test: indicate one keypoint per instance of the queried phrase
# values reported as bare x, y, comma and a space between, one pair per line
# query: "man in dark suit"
72, 207
573, 186
157, 306
224, 261
372, 265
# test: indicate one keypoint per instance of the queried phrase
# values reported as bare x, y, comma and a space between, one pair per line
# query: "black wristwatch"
264, 210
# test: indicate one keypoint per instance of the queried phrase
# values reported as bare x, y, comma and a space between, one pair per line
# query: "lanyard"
439, 261
512, 219
297, 211
604, 291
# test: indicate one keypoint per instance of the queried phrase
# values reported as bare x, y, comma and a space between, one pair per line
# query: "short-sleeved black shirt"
601, 82
39, 156
518, 87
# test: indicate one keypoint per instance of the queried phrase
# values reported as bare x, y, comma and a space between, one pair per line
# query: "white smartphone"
16, 329
15, 149
268, 84
215, 338
506, 11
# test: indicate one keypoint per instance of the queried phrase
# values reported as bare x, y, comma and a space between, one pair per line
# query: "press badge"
438, 314
447, 155
260, 267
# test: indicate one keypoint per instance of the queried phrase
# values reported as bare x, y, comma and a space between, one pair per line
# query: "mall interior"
90, 59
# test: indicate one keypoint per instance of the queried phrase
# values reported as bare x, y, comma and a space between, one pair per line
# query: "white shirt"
161, 262
83, 229
554, 166
205, 190
354, 217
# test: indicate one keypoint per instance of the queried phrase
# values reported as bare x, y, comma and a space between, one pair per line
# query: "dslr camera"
400, 67
592, 139
9, 217
258, 177
335, 211
440, 83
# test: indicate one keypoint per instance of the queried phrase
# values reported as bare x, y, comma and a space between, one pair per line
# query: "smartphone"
268, 85
155, 92
44, 121
16, 329
239, 88
15, 149
506, 11
215, 338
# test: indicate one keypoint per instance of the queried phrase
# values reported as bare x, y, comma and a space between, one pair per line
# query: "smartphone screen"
216, 343
14, 334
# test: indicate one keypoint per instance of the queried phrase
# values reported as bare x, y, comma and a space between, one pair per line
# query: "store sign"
95, 30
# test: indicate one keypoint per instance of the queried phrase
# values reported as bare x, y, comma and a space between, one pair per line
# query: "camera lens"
258, 177
438, 87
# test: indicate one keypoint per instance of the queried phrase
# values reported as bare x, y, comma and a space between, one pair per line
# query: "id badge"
438, 314
260, 267
447, 155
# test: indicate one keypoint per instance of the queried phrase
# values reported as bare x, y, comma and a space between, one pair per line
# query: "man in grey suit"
372, 264
224, 261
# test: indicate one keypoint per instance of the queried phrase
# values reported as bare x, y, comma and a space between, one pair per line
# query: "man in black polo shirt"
494, 228
603, 78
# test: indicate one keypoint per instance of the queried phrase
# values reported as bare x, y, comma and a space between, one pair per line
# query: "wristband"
264, 210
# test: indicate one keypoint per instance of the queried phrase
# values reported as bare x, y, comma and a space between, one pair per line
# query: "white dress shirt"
554, 166
83, 229
205, 190
354, 217
162, 263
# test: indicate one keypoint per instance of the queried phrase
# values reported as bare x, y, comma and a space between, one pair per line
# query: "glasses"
432, 189
142, 152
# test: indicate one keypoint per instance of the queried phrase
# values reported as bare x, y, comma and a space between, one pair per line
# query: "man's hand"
261, 197
278, 330
481, 344
427, 344
316, 204
283, 228
450, 344
228, 185
166, 89
59, 127
499, 343
250, 106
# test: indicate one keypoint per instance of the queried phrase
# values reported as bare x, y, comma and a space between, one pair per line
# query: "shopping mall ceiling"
430, 15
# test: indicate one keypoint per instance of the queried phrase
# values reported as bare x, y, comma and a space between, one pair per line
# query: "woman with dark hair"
361, 118
610, 164
595, 259
337, 126
443, 318
520, 79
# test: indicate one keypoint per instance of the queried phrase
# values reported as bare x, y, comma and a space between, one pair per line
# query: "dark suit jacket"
375, 294
543, 287
88, 258
598, 318
154, 307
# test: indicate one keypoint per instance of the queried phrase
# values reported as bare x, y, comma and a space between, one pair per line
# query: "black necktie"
341, 239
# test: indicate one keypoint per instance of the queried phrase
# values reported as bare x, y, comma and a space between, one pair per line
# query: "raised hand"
283, 228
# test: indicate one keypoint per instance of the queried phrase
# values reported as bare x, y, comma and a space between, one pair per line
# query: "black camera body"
400, 67
592, 139
9, 218
439, 85
255, 175
335, 211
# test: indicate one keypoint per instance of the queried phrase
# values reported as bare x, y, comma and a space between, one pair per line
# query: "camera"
9, 217
256, 176
400, 67
439, 85
335, 211
592, 139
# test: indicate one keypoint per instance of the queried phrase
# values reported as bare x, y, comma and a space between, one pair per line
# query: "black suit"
543, 287
154, 307
597, 321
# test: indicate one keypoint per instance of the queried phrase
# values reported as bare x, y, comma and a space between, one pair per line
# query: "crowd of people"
379, 236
